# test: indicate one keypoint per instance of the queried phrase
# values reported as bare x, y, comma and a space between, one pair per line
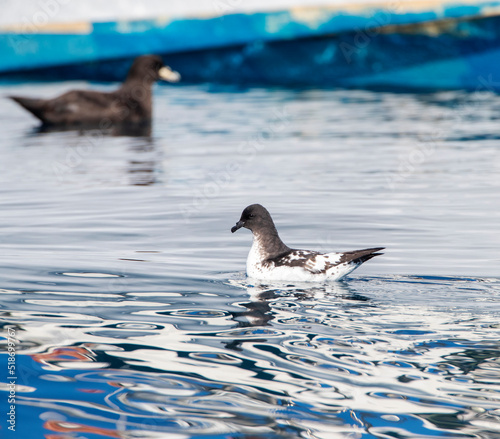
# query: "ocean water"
123, 292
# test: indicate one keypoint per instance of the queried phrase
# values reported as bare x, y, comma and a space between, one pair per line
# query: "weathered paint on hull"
453, 47
466, 56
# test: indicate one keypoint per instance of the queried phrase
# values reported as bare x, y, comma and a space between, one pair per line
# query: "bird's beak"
167, 74
238, 225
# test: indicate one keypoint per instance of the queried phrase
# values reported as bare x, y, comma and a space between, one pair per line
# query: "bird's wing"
78, 101
319, 263
313, 262
322, 262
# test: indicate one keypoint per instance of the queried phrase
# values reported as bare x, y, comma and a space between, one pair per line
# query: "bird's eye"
252, 215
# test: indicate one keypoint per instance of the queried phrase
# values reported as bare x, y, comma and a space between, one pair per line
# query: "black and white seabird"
271, 260
131, 103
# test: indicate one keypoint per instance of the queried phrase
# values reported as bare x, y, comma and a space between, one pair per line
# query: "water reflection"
144, 167
115, 130
118, 344
99, 153
277, 361
259, 309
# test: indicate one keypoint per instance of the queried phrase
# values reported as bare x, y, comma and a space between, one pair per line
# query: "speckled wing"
313, 262
321, 263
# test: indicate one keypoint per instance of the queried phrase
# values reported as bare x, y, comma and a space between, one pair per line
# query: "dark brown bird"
130, 104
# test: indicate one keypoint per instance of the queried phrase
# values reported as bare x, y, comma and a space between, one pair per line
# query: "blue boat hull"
410, 59
459, 49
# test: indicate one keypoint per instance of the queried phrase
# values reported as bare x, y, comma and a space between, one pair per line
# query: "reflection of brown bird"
131, 103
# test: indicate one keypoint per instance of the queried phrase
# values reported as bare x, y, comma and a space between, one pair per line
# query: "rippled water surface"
124, 291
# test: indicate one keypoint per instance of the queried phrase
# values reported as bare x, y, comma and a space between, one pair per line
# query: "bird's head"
253, 218
151, 67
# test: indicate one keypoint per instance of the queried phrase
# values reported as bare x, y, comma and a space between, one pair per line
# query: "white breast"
255, 258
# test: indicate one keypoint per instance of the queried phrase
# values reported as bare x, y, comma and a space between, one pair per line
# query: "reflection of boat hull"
416, 44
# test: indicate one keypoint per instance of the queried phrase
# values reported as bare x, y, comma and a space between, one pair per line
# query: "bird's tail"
34, 106
360, 256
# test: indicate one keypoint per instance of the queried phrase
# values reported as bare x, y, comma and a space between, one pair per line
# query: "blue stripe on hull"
448, 53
